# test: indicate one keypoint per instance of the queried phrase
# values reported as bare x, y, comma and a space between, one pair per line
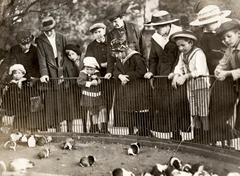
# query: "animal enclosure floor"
108, 157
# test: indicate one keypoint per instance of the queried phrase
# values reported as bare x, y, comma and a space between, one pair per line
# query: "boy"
229, 65
192, 64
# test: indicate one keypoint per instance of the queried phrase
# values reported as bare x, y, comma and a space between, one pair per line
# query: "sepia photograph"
119, 88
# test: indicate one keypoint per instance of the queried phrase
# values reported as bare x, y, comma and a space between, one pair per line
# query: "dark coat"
162, 60
47, 62
16, 102
213, 48
133, 96
133, 36
100, 51
29, 60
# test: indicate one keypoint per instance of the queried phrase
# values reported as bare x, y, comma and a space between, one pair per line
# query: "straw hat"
183, 34
48, 23
161, 17
210, 14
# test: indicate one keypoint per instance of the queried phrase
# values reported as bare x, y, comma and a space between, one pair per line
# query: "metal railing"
203, 110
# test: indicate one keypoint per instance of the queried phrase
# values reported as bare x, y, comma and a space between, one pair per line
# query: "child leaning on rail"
229, 65
16, 99
91, 93
190, 67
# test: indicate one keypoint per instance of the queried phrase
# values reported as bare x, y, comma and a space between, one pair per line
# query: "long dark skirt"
170, 107
222, 100
130, 99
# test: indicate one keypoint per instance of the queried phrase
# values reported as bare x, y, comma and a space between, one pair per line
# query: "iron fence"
203, 110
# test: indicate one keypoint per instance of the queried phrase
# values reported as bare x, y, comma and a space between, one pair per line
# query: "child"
16, 100
192, 64
71, 69
132, 92
209, 18
99, 49
229, 65
91, 93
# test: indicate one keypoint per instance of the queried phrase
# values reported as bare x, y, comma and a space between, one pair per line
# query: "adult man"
51, 53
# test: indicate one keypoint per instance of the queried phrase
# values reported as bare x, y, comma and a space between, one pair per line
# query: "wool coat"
29, 60
47, 62
133, 96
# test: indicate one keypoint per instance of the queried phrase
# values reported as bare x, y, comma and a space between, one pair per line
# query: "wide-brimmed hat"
90, 62
200, 4
17, 67
48, 23
24, 37
96, 26
161, 17
210, 14
227, 26
183, 34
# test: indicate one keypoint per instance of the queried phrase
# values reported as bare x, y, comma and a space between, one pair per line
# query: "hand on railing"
44, 79
235, 74
148, 75
108, 76
124, 79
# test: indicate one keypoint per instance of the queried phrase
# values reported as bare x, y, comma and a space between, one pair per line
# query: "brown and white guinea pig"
187, 168
122, 172
44, 153
15, 136
69, 144
87, 161
134, 149
10, 145
175, 163
159, 170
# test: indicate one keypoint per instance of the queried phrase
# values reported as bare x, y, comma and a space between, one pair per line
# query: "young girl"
71, 70
91, 92
16, 100
192, 64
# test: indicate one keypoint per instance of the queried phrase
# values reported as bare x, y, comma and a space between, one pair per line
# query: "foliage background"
75, 16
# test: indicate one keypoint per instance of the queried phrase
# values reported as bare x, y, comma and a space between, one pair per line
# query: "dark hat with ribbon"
227, 26
24, 37
48, 23
161, 17
183, 34
114, 11
74, 48
118, 45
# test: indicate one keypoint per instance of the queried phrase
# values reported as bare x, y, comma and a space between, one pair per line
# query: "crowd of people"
116, 72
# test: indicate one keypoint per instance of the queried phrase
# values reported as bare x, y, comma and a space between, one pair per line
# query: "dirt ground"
108, 157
